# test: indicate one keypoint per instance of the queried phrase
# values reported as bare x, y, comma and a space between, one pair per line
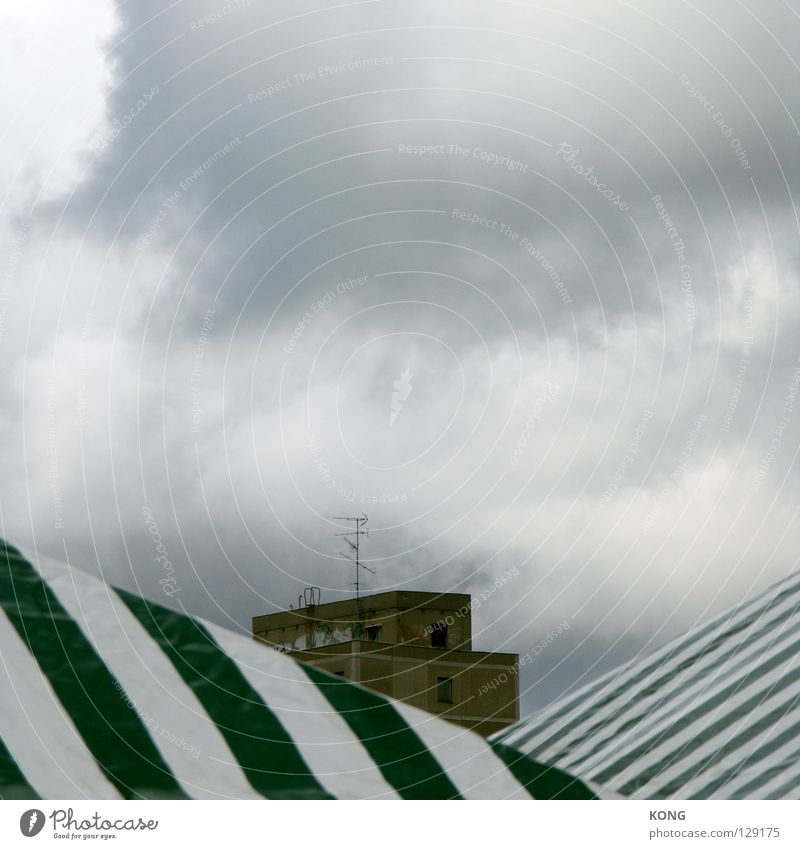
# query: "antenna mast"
357, 532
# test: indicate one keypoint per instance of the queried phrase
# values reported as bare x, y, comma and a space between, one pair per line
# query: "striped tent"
104, 695
714, 714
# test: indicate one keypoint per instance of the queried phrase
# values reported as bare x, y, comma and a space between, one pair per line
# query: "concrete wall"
397, 617
484, 686
400, 660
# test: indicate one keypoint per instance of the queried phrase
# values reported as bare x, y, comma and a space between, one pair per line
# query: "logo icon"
402, 389
31, 822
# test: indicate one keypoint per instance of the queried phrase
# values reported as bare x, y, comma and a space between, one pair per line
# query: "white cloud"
491, 463
54, 64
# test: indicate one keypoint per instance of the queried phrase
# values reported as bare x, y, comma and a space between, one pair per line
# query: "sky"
517, 280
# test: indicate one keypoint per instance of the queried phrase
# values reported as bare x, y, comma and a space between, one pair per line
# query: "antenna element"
357, 532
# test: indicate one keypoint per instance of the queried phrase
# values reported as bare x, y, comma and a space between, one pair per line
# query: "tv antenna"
357, 532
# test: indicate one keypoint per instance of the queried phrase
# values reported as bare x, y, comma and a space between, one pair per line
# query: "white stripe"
475, 770
787, 777
790, 793
325, 741
167, 707
586, 752
39, 733
682, 699
745, 769
752, 742
719, 740
692, 699
786, 756
529, 736
696, 730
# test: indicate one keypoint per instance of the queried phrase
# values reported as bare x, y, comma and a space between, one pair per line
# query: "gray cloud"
287, 207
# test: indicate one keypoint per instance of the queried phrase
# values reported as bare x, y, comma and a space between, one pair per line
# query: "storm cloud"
520, 283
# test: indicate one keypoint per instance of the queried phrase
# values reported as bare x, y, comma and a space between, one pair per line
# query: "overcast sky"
519, 281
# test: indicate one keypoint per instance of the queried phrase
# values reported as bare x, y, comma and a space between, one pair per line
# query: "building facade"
413, 646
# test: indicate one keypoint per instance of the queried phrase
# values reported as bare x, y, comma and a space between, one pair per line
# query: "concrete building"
413, 646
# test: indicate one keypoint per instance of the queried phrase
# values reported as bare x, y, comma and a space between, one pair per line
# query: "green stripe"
601, 698
653, 770
670, 701
752, 730
790, 786
542, 782
266, 753
399, 753
89, 693
758, 759
13, 784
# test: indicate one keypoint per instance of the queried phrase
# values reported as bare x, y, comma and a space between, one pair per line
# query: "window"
372, 633
339, 672
444, 689
439, 635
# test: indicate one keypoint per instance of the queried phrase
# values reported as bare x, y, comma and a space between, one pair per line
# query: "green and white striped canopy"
714, 714
104, 695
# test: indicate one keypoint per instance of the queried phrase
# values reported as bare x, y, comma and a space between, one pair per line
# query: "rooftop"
365, 605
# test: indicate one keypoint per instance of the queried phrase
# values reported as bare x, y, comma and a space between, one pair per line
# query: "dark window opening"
372, 633
439, 635
339, 672
444, 689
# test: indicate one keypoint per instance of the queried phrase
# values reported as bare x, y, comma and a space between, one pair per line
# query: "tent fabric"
714, 714
105, 695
